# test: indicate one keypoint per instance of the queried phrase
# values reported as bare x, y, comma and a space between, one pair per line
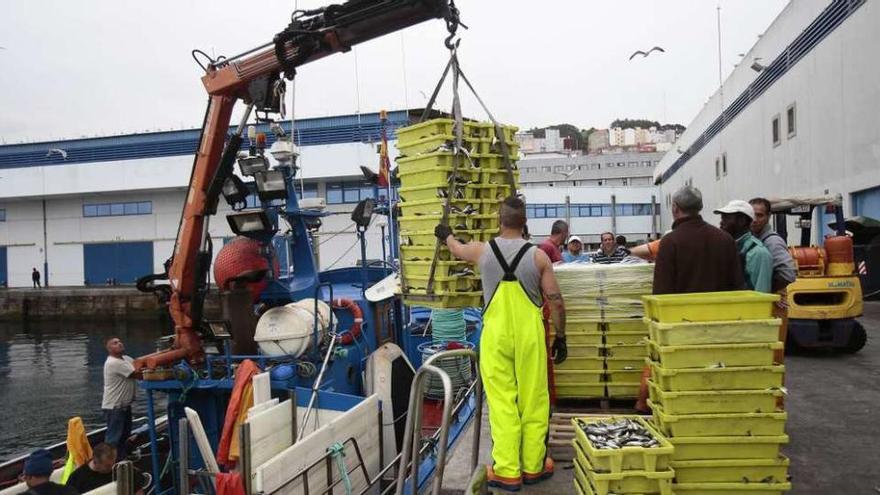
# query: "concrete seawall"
86, 303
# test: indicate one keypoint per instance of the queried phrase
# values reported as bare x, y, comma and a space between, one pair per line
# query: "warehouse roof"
352, 128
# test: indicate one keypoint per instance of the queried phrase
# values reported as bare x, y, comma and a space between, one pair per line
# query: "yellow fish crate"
710, 306
736, 378
715, 425
714, 401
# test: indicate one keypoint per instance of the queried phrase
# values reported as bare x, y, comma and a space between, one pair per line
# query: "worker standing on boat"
120, 388
516, 278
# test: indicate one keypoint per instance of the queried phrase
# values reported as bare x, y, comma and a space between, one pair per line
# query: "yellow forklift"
826, 298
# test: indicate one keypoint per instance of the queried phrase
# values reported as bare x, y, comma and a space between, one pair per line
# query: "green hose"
448, 325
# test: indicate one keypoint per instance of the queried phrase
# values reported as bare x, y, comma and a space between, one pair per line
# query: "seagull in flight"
645, 54
57, 151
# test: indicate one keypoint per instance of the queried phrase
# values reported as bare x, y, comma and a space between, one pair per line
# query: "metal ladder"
412, 440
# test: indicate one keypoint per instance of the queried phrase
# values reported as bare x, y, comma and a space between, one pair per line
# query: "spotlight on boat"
250, 223
250, 165
271, 185
234, 191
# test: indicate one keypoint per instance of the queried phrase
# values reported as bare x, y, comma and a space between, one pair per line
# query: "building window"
546, 169
646, 164
717, 169
118, 209
791, 120
348, 192
308, 191
2, 214
775, 129
625, 182
632, 164
724, 164
620, 164
595, 166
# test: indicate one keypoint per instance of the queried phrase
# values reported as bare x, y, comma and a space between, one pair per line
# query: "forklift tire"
857, 339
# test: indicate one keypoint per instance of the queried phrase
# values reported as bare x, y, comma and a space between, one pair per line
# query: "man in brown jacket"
695, 256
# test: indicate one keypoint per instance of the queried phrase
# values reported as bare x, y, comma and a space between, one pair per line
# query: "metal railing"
407, 461
411, 440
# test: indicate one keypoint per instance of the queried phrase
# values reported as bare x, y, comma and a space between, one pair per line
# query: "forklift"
826, 298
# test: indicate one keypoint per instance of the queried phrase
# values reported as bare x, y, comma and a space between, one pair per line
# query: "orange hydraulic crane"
255, 77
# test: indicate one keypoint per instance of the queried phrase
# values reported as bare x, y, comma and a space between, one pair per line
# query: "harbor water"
51, 371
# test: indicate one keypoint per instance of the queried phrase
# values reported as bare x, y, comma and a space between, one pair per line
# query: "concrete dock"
87, 303
832, 404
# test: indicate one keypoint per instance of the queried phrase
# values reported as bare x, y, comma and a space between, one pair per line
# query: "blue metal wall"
364, 128
867, 203
4, 280
123, 261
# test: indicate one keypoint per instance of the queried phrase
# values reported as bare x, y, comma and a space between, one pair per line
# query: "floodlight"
363, 212
250, 165
234, 190
758, 66
250, 222
271, 185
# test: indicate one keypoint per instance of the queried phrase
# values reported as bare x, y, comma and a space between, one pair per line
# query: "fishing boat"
350, 392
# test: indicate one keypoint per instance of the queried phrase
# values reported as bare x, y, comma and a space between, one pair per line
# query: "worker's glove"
442, 232
559, 350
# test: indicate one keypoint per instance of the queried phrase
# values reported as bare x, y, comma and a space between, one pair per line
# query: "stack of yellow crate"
425, 167
715, 390
604, 328
628, 465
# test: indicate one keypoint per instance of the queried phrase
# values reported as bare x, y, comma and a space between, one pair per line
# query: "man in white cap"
574, 251
757, 263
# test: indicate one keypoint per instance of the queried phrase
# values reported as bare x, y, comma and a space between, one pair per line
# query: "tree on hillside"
633, 123
565, 131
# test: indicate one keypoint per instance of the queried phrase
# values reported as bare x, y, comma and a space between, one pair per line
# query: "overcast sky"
93, 67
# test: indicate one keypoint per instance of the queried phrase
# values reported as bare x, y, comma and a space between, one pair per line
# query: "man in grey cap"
736, 220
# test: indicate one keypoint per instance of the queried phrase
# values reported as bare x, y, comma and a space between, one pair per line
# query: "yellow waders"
513, 364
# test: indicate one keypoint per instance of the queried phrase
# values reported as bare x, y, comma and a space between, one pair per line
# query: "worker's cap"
738, 206
39, 463
573, 239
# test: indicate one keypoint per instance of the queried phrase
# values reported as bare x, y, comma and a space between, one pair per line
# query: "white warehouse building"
801, 116
108, 208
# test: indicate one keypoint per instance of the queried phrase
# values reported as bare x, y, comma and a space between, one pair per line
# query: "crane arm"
252, 77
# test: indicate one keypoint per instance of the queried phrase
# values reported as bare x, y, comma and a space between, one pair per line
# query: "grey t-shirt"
527, 272
119, 386
784, 266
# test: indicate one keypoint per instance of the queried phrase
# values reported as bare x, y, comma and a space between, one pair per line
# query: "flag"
384, 163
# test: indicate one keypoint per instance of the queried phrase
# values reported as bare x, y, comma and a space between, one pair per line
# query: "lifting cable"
459, 152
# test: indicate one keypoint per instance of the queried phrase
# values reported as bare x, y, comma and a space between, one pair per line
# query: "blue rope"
337, 452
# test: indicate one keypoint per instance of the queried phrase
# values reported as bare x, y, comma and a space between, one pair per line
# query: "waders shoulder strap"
509, 269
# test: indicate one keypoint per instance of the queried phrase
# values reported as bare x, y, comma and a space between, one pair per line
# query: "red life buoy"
356, 313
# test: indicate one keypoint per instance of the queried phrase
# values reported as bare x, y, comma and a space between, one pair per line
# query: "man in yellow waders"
516, 277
